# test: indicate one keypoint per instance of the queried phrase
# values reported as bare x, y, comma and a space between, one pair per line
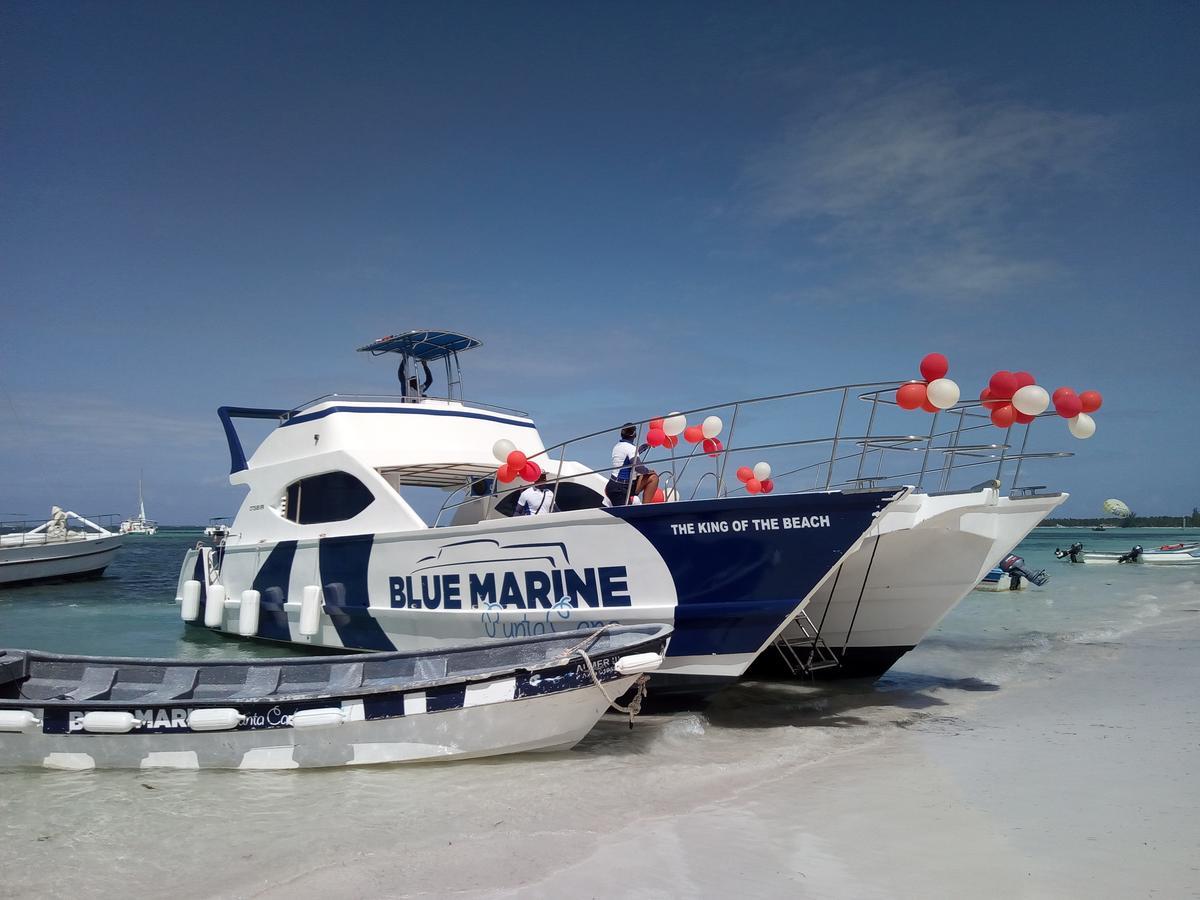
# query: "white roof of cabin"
423, 436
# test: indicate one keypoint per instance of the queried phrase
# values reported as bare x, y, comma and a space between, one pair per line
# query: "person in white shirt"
629, 479
536, 500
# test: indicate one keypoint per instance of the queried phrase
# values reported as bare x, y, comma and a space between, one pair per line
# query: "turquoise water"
1069, 693
131, 610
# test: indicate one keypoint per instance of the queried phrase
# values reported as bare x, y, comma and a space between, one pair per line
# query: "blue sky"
637, 207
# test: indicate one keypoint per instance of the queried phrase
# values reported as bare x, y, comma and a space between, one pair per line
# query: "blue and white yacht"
326, 549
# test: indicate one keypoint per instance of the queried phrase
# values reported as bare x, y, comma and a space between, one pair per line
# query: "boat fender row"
248, 608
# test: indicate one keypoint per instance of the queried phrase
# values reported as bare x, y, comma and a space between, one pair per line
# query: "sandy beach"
1036, 745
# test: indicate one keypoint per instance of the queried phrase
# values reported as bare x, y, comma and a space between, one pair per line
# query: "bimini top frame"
425, 347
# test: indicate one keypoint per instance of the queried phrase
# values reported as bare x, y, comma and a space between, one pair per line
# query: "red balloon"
656, 437
1024, 379
517, 459
1059, 393
934, 366
1022, 418
1068, 406
655, 423
911, 395
1002, 416
660, 496
985, 397
717, 446
1003, 385
530, 471
693, 434
753, 486
505, 473
671, 441
744, 474
929, 407
767, 486
1091, 401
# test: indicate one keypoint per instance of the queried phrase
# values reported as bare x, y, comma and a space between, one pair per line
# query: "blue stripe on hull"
736, 587
343, 562
272, 584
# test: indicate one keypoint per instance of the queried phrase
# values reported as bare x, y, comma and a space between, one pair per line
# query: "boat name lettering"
775, 523
529, 589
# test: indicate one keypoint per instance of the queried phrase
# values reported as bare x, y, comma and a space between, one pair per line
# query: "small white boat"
540, 693
1168, 555
139, 524
998, 580
54, 551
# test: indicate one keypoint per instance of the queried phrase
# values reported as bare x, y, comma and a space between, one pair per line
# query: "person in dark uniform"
409, 386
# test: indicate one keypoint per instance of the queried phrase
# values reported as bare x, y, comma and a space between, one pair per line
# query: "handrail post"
562, 455
867, 441
928, 447
1004, 452
725, 452
949, 466
837, 433
1016, 485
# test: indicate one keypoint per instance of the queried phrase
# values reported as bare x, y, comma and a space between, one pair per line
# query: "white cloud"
923, 183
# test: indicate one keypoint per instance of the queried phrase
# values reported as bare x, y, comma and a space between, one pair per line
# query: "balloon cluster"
1014, 398
935, 393
1077, 410
513, 463
665, 432
757, 479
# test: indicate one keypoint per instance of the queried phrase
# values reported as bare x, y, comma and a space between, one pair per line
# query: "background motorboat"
54, 551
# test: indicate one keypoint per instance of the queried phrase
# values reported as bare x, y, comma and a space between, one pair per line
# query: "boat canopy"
425, 346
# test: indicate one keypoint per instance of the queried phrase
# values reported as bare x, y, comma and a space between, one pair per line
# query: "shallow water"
770, 788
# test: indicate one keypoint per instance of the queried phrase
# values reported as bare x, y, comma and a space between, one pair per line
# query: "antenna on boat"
426, 347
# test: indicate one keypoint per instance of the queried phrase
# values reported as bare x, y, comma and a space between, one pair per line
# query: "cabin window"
331, 497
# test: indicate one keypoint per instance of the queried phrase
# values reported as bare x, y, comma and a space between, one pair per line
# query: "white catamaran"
845, 573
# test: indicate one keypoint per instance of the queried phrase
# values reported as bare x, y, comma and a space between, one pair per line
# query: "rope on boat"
639, 686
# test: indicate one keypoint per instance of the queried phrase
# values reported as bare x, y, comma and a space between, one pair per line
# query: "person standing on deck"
629, 479
536, 500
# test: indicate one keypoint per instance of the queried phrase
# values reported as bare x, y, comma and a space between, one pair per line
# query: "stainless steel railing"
852, 450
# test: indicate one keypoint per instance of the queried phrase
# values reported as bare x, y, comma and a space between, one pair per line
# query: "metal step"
808, 653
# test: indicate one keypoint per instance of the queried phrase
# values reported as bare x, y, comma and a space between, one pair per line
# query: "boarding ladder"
807, 652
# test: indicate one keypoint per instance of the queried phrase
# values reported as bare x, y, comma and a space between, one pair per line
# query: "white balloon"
1082, 426
762, 471
712, 426
942, 393
502, 448
1031, 400
674, 424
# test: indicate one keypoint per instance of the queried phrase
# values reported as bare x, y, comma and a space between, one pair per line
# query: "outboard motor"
1132, 556
1014, 567
1073, 553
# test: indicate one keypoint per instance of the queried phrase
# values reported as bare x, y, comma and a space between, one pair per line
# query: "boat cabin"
339, 464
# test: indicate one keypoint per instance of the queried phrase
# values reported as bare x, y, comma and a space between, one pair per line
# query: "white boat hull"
925, 554
726, 585
550, 722
32, 560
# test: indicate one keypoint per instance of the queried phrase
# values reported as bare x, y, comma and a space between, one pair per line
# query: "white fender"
219, 718
248, 613
638, 662
18, 720
318, 718
214, 606
310, 610
189, 605
106, 722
